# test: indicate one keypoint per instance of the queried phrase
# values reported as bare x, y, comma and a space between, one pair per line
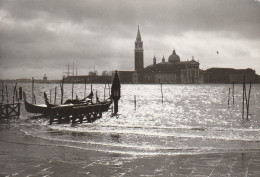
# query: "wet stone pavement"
230, 164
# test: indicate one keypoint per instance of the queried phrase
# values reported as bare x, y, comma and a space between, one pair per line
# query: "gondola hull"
37, 109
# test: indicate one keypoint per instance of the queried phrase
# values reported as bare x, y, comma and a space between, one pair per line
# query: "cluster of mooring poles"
245, 98
7, 109
135, 101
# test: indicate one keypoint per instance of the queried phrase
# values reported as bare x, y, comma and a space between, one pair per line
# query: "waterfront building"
230, 75
172, 71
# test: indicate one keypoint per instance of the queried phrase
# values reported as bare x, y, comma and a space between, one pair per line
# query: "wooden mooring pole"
85, 88
55, 95
135, 102
32, 90
14, 92
6, 90
228, 95
243, 104
162, 93
72, 90
50, 94
3, 97
249, 93
91, 92
62, 90
233, 93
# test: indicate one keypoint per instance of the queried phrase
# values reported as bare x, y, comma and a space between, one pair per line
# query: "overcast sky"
42, 36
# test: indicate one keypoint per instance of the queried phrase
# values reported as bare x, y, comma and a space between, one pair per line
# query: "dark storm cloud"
241, 16
49, 33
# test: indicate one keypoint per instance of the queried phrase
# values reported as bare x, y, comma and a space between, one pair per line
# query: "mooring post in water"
62, 90
97, 100
72, 90
55, 95
249, 93
135, 102
91, 92
245, 95
7, 99
34, 98
243, 104
116, 92
228, 95
233, 93
85, 88
3, 97
16, 95
162, 93
14, 92
32, 89
50, 94
20, 93
105, 92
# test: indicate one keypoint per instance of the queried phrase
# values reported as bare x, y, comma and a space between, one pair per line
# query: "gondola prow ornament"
115, 92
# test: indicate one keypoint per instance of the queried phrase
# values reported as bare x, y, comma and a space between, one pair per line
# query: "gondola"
45, 108
36, 108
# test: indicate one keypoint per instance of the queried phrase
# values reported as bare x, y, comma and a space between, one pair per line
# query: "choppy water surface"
192, 119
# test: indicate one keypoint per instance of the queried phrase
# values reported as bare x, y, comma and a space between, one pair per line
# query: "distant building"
44, 78
172, 71
124, 76
229, 75
88, 79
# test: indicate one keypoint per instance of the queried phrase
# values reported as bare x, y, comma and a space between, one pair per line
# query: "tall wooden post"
233, 93
32, 90
135, 102
243, 104
16, 96
72, 90
50, 94
20, 93
91, 92
162, 93
85, 88
3, 97
62, 90
105, 92
228, 95
55, 95
34, 98
249, 93
7, 99
96, 97
14, 92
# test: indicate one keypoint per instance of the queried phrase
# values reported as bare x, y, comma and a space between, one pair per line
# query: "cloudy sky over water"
42, 36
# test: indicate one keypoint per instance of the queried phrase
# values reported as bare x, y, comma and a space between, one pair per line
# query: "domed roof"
174, 58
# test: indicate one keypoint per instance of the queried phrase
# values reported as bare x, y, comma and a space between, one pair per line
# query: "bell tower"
139, 56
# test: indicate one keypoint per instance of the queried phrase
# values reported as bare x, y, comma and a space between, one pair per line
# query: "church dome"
174, 58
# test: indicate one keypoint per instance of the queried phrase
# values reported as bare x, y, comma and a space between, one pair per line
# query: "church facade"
173, 71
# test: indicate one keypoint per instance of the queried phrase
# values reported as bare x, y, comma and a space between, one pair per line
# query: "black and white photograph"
120, 88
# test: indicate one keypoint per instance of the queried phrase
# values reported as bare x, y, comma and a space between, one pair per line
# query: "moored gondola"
36, 108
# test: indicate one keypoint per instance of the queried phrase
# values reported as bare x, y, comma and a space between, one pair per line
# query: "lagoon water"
193, 119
